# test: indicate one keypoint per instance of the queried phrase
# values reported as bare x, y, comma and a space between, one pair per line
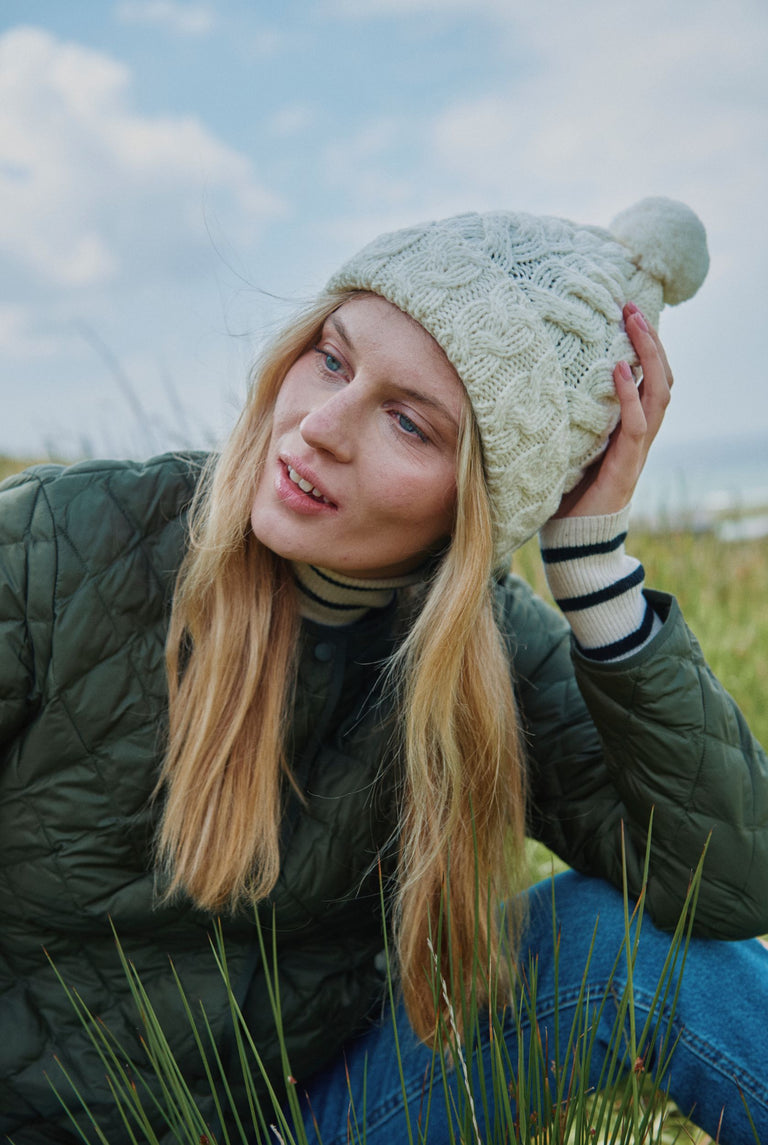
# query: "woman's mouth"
306, 486
297, 488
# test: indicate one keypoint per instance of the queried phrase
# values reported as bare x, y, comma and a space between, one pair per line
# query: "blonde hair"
231, 660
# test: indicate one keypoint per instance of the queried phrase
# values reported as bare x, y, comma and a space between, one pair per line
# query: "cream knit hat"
529, 311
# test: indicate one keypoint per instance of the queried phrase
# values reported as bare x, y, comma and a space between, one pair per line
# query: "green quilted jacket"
88, 558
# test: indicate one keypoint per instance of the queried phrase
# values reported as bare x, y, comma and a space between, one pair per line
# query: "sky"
177, 177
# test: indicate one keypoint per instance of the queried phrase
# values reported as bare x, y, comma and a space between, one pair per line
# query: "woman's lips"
298, 488
306, 486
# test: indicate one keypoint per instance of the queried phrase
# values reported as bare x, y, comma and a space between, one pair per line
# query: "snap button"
323, 652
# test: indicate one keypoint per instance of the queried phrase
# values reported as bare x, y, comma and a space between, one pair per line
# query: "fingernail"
625, 371
630, 306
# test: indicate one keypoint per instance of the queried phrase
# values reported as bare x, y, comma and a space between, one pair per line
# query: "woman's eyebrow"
406, 391
427, 400
341, 329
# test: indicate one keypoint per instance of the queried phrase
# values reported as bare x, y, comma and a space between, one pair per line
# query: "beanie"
528, 310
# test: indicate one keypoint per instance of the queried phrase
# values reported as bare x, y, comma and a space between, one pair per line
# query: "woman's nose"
328, 427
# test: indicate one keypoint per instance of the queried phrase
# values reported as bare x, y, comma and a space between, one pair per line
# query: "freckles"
403, 497
416, 504
287, 410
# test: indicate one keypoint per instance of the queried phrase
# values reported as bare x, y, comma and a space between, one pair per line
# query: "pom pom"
667, 241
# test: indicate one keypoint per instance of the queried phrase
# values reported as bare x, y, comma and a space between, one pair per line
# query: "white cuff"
597, 585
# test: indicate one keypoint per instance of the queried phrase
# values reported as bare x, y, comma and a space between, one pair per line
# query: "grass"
723, 591
528, 1100
11, 465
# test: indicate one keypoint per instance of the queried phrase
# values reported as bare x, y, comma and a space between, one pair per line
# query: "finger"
632, 309
627, 444
661, 352
656, 384
623, 460
633, 420
662, 355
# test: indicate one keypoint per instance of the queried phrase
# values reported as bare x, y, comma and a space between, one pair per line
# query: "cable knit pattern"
529, 312
597, 585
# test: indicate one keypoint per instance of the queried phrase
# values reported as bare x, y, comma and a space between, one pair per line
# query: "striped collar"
332, 598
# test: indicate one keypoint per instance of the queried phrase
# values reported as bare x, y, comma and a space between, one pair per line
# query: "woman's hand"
608, 485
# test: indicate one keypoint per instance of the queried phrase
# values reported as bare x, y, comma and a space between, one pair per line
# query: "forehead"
389, 341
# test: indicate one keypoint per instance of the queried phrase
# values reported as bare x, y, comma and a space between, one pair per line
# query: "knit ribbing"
334, 599
597, 585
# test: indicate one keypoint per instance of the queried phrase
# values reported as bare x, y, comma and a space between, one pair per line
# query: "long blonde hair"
230, 660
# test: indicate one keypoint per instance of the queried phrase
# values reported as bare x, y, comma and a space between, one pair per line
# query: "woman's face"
361, 467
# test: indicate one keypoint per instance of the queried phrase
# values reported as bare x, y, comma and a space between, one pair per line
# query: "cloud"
21, 336
601, 103
180, 19
291, 120
90, 189
353, 9
612, 107
585, 108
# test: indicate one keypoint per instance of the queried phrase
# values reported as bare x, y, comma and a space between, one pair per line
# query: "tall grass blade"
516, 1090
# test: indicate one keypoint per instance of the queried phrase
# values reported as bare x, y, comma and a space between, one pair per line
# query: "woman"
341, 709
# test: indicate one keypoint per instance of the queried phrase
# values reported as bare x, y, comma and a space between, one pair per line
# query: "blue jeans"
720, 1021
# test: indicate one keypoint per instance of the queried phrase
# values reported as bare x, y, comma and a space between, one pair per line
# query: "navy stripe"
601, 595
328, 603
338, 584
576, 552
626, 644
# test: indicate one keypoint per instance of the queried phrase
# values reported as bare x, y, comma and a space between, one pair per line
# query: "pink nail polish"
625, 371
639, 318
630, 306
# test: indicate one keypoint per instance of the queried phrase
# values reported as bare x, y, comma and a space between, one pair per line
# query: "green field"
723, 591
9, 465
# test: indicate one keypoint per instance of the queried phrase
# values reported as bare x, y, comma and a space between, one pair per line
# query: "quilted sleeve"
27, 572
657, 732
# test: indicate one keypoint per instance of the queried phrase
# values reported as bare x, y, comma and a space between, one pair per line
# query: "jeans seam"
395, 1102
724, 1065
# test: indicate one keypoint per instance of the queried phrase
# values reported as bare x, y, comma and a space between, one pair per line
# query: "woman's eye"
409, 426
328, 362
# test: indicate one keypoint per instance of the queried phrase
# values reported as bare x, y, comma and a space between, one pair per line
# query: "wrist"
598, 586
583, 532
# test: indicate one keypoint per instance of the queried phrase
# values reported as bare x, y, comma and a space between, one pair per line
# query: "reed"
530, 1096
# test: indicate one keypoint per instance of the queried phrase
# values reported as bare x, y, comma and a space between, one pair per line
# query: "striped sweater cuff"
597, 585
